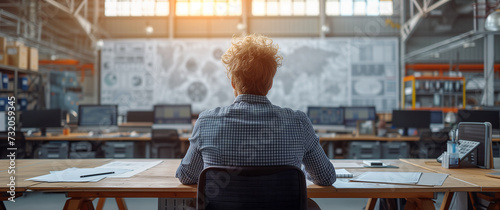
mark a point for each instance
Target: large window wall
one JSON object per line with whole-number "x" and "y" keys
{"x": 258, "y": 7}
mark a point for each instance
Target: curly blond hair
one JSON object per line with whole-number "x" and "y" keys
{"x": 251, "y": 63}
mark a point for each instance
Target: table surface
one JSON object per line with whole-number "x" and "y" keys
{"x": 475, "y": 176}
{"x": 124, "y": 136}
{"x": 160, "y": 181}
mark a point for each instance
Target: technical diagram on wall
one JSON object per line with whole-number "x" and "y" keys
{"x": 138, "y": 73}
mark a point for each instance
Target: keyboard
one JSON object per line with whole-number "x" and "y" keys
{"x": 465, "y": 147}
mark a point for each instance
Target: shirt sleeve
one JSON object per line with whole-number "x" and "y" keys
{"x": 318, "y": 167}
{"x": 192, "y": 164}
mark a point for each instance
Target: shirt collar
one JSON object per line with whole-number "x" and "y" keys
{"x": 251, "y": 99}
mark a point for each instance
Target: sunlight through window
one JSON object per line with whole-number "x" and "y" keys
{"x": 136, "y": 8}
{"x": 359, "y": 7}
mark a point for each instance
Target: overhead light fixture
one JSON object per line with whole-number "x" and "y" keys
{"x": 240, "y": 26}
{"x": 149, "y": 30}
{"x": 469, "y": 44}
{"x": 99, "y": 43}
{"x": 493, "y": 21}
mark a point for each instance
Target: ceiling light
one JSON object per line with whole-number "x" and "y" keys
{"x": 325, "y": 29}
{"x": 149, "y": 30}
{"x": 493, "y": 21}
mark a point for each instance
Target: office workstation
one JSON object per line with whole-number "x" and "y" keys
{"x": 380, "y": 88}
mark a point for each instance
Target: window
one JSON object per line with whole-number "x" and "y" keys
{"x": 359, "y": 7}
{"x": 136, "y": 8}
{"x": 208, "y": 7}
{"x": 285, "y": 7}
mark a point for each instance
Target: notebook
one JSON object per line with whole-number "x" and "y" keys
{"x": 342, "y": 173}
{"x": 494, "y": 175}
{"x": 389, "y": 177}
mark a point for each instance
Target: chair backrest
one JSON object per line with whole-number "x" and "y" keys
{"x": 256, "y": 187}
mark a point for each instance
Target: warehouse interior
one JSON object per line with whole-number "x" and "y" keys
{"x": 432, "y": 56}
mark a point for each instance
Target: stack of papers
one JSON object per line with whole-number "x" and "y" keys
{"x": 414, "y": 178}
{"x": 117, "y": 169}
{"x": 389, "y": 177}
{"x": 133, "y": 167}
{"x": 79, "y": 175}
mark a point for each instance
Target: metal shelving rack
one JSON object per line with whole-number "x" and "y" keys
{"x": 17, "y": 71}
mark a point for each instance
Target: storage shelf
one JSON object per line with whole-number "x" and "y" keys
{"x": 4, "y": 68}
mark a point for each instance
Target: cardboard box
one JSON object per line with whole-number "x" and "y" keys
{"x": 33, "y": 59}
{"x": 18, "y": 56}
{"x": 3, "y": 44}
{"x": 3, "y": 58}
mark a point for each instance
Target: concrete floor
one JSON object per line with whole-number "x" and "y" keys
{"x": 54, "y": 201}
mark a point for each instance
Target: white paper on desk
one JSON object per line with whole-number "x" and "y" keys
{"x": 347, "y": 165}
{"x": 73, "y": 175}
{"x": 135, "y": 167}
{"x": 432, "y": 179}
{"x": 389, "y": 177}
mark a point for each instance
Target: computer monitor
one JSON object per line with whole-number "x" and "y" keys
{"x": 326, "y": 118}
{"x": 140, "y": 116}
{"x": 410, "y": 119}
{"x": 41, "y": 119}
{"x": 490, "y": 116}
{"x": 97, "y": 116}
{"x": 353, "y": 114}
{"x": 437, "y": 122}
{"x": 176, "y": 116}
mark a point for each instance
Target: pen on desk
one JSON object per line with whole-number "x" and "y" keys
{"x": 98, "y": 174}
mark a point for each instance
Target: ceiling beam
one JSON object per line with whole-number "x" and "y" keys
{"x": 84, "y": 23}
{"x": 409, "y": 26}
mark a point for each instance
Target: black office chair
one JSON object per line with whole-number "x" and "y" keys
{"x": 165, "y": 143}
{"x": 259, "y": 187}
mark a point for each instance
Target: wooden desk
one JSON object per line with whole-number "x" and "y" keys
{"x": 160, "y": 181}
{"x": 474, "y": 176}
{"x": 86, "y": 137}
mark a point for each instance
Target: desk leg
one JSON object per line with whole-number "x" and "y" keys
{"x": 448, "y": 196}
{"x": 100, "y": 203}
{"x": 79, "y": 204}
{"x": 121, "y": 204}
{"x": 148, "y": 150}
{"x": 371, "y": 203}
{"x": 331, "y": 150}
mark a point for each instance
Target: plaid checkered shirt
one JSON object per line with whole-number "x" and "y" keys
{"x": 254, "y": 132}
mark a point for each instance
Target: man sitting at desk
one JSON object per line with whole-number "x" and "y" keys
{"x": 252, "y": 131}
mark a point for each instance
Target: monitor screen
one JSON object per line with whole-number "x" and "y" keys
{"x": 436, "y": 117}
{"x": 437, "y": 121}
{"x": 97, "y": 115}
{"x": 172, "y": 114}
{"x": 50, "y": 118}
{"x": 353, "y": 114}
{"x": 479, "y": 116}
{"x": 411, "y": 119}
{"x": 140, "y": 116}
{"x": 326, "y": 115}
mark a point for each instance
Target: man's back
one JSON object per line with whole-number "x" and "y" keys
{"x": 253, "y": 132}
